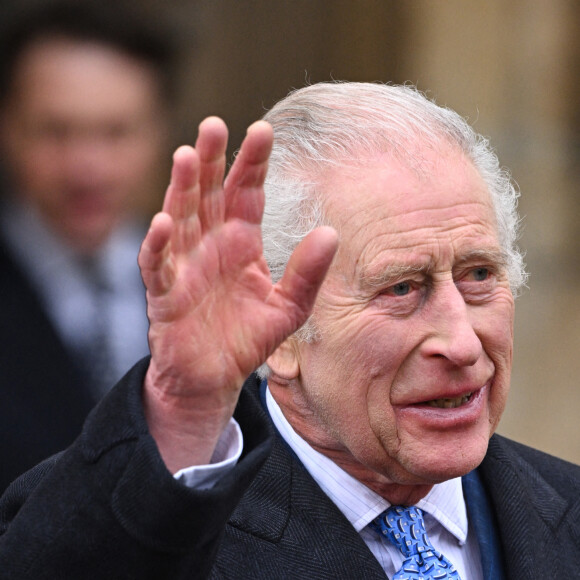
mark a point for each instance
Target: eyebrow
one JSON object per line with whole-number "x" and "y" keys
{"x": 390, "y": 273}
{"x": 490, "y": 257}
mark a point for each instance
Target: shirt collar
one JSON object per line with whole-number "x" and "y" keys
{"x": 359, "y": 504}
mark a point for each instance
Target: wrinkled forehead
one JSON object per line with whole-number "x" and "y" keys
{"x": 382, "y": 196}
{"x": 346, "y": 185}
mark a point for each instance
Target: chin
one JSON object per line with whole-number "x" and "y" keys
{"x": 89, "y": 236}
{"x": 452, "y": 465}
{"x": 440, "y": 461}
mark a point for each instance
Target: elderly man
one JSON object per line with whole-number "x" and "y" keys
{"x": 363, "y": 448}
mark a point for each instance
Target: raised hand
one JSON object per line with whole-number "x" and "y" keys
{"x": 214, "y": 314}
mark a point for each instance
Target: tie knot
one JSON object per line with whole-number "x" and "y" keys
{"x": 405, "y": 528}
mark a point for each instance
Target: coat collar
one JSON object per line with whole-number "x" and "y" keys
{"x": 536, "y": 499}
{"x": 283, "y": 503}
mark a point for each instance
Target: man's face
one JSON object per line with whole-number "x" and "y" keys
{"x": 410, "y": 376}
{"x": 82, "y": 133}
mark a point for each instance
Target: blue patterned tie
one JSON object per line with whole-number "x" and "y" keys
{"x": 404, "y": 527}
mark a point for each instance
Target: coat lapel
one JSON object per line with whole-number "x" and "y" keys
{"x": 291, "y": 525}
{"x": 535, "y": 522}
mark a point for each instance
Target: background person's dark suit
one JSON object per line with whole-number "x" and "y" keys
{"x": 42, "y": 402}
{"x": 115, "y": 512}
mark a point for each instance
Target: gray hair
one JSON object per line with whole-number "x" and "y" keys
{"x": 327, "y": 124}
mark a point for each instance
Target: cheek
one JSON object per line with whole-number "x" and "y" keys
{"x": 339, "y": 367}
{"x": 38, "y": 170}
{"x": 502, "y": 359}
{"x": 42, "y": 184}
{"x": 371, "y": 339}
{"x": 358, "y": 358}
{"x": 353, "y": 373}
{"x": 497, "y": 340}
{"x": 497, "y": 332}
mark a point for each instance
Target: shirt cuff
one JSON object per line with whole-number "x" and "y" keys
{"x": 225, "y": 457}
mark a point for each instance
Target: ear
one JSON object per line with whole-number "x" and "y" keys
{"x": 284, "y": 361}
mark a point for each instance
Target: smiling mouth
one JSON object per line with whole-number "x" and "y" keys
{"x": 449, "y": 403}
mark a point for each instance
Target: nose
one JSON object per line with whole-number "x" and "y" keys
{"x": 85, "y": 159}
{"x": 451, "y": 332}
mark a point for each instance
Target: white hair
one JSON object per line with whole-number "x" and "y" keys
{"x": 328, "y": 124}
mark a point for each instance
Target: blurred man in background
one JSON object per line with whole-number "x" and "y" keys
{"x": 85, "y": 95}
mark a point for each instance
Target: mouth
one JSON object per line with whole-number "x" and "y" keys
{"x": 451, "y": 403}
{"x": 456, "y": 410}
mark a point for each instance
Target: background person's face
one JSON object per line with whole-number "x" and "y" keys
{"x": 83, "y": 131}
{"x": 411, "y": 374}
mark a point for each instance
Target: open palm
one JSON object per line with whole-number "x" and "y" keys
{"x": 214, "y": 313}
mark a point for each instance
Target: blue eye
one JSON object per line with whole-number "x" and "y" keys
{"x": 480, "y": 274}
{"x": 401, "y": 289}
